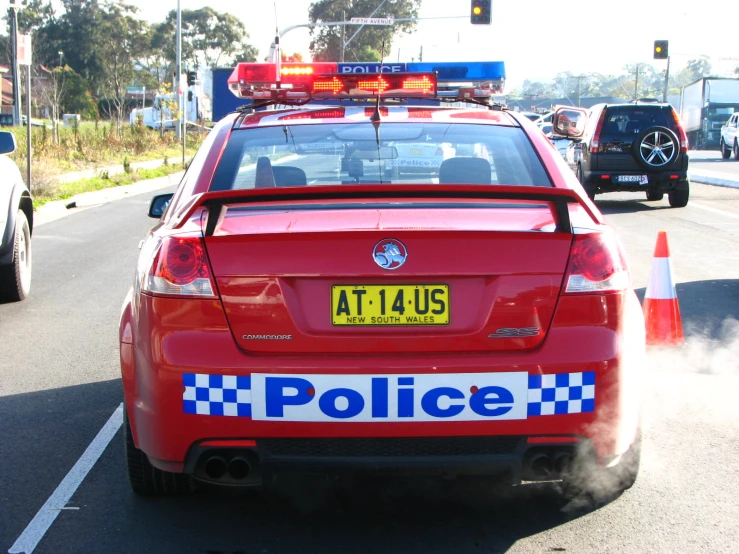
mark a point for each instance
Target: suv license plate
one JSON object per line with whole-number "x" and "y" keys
{"x": 639, "y": 179}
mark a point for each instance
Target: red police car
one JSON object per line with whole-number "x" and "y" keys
{"x": 300, "y": 305}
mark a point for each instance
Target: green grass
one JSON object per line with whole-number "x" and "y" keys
{"x": 65, "y": 191}
{"x": 91, "y": 146}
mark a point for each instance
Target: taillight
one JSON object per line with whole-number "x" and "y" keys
{"x": 681, "y": 131}
{"x": 180, "y": 268}
{"x": 439, "y": 152}
{"x": 595, "y": 145}
{"x": 596, "y": 265}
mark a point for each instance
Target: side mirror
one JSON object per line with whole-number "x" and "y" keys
{"x": 7, "y": 142}
{"x": 569, "y": 122}
{"x": 159, "y": 204}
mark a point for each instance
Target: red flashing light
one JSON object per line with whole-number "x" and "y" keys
{"x": 384, "y": 112}
{"x": 423, "y": 83}
{"x": 379, "y": 84}
{"x": 332, "y": 84}
{"x": 302, "y": 72}
{"x": 420, "y": 114}
{"x": 605, "y": 176}
{"x": 337, "y": 113}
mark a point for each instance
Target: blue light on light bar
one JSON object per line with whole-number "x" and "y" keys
{"x": 461, "y": 71}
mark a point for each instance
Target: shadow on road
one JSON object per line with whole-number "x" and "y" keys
{"x": 45, "y": 432}
{"x": 608, "y": 207}
{"x": 705, "y": 305}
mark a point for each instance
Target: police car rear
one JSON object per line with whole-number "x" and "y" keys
{"x": 303, "y": 310}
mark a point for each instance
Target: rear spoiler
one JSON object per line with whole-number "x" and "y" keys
{"x": 556, "y": 198}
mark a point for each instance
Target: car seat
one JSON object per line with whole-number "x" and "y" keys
{"x": 472, "y": 171}
{"x": 633, "y": 127}
{"x": 289, "y": 176}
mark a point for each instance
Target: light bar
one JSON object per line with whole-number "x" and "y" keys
{"x": 396, "y": 85}
{"x": 259, "y": 80}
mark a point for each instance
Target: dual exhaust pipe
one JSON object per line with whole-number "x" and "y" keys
{"x": 546, "y": 466}
{"x": 217, "y": 467}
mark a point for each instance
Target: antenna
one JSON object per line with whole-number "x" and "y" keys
{"x": 278, "y": 52}
{"x": 376, "y": 115}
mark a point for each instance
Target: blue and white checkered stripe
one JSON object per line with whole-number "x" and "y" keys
{"x": 562, "y": 393}
{"x": 230, "y": 395}
{"x": 219, "y": 395}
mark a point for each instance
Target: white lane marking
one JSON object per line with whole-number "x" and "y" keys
{"x": 41, "y": 522}
{"x": 714, "y": 210}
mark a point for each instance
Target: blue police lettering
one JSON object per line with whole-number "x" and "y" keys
{"x": 285, "y": 394}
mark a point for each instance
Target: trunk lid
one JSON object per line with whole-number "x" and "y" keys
{"x": 482, "y": 277}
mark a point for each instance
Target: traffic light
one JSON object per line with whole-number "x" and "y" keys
{"x": 192, "y": 76}
{"x": 660, "y": 50}
{"x": 480, "y": 12}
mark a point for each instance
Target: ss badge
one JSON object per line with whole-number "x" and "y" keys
{"x": 512, "y": 332}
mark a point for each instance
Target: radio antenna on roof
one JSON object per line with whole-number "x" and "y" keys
{"x": 376, "y": 115}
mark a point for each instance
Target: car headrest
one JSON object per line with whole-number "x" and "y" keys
{"x": 633, "y": 126}
{"x": 264, "y": 177}
{"x": 289, "y": 176}
{"x": 468, "y": 171}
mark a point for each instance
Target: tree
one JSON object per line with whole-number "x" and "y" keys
{"x": 326, "y": 44}
{"x": 207, "y": 36}
{"x": 247, "y": 53}
{"x": 51, "y": 89}
{"x": 126, "y": 42}
{"x": 295, "y": 57}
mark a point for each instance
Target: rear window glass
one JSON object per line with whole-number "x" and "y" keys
{"x": 628, "y": 120}
{"x": 348, "y": 154}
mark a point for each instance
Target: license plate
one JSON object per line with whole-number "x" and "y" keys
{"x": 639, "y": 179}
{"x": 390, "y": 305}
{"x": 415, "y": 152}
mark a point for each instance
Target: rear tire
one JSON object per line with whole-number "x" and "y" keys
{"x": 15, "y": 278}
{"x": 144, "y": 478}
{"x": 736, "y": 150}
{"x": 725, "y": 150}
{"x": 590, "y": 192}
{"x": 679, "y": 198}
{"x": 655, "y": 196}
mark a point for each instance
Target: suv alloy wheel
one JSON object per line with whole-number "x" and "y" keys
{"x": 656, "y": 147}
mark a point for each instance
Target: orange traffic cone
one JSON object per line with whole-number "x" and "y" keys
{"x": 661, "y": 309}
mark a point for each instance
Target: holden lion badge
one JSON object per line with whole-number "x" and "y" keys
{"x": 390, "y": 254}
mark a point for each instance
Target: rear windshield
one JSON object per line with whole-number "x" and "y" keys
{"x": 630, "y": 120}
{"x": 348, "y": 154}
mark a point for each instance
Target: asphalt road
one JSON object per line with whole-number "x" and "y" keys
{"x": 711, "y": 160}
{"x": 59, "y": 384}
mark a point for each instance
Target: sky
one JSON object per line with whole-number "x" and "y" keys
{"x": 535, "y": 38}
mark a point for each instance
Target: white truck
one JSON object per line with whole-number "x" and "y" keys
{"x": 705, "y": 106}
{"x": 730, "y": 137}
{"x": 160, "y": 113}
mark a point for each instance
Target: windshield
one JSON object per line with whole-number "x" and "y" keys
{"x": 347, "y": 154}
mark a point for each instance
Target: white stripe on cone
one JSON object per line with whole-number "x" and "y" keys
{"x": 661, "y": 284}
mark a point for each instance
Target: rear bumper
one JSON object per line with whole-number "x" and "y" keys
{"x": 509, "y": 458}
{"x": 607, "y": 181}
{"x": 157, "y": 350}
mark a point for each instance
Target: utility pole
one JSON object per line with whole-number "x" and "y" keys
{"x": 667, "y": 80}
{"x": 343, "y": 34}
{"x": 178, "y": 72}
{"x": 579, "y": 78}
{"x": 420, "y": 54}
{"x": 14, "y": 63}
{"x": 636, "y": 83}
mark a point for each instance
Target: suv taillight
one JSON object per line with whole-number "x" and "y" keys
{"x": 596, "y": 265}
{"x": 180, "y": 268}
{"x": 681, "y": 131}
{"x": 595, "y": 145}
